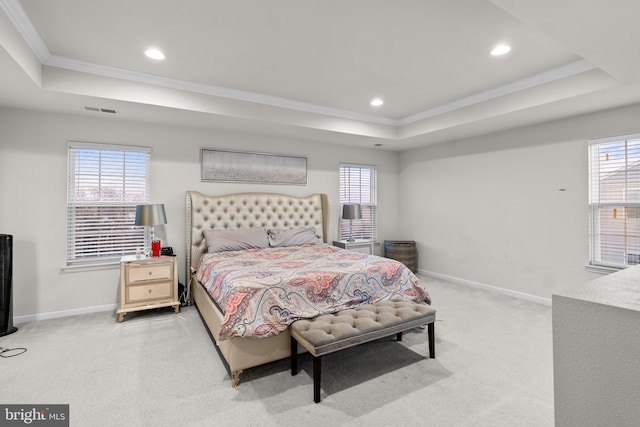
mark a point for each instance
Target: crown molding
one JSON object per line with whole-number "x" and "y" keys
{"x": 549, "y": 76}
{"x": 19, "y": 18}
{"x": 545, "y": 77}
{"x": 211, "y": 90}
{"x": 21, "y": 21}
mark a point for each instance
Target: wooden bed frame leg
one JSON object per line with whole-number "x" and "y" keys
{"x": 235, "y": 378}
{"x": 431, "y": 330}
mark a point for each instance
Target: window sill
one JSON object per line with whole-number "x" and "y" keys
{"x": 78, "y": 268}
{"x": 601, "y": 269}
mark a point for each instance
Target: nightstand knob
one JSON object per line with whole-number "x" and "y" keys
{"x": 149, "y": 290}
{"x": 150, "y": 273}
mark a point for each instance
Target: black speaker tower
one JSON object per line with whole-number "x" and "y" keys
{"x": 6, "y": 270}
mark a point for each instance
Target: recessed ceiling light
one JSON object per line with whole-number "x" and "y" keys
{"x": 500, "y": 50}
{"x": 154, "y": 54}
{"x": 376, "y": 102}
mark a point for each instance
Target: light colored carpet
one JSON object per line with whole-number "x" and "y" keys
{"x": 493, "y": 367}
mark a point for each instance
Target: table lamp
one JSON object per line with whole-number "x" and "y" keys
{"x": 150, "y": 216}
{"x": 351, "y": 212}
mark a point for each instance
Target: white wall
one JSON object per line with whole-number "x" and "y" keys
{"x": 33, "y": 165}
{"x": 509, "y": 209}
{"x": 486, "y": 210}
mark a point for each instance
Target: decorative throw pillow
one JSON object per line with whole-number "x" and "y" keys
{"x": 279, "y": 237}
{"x": 235, "y": 239}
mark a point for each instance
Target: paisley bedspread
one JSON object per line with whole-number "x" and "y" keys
{"x": 262, "y": 291}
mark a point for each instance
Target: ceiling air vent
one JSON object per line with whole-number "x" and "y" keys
{"x": 101, "y": 110}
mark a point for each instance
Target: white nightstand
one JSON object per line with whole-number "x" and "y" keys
{"x": 364, "y": 246}
{"x": 146, "y": 283}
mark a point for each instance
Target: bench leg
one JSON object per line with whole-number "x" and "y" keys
{"x": 294, "y": 356}
{"x": 431, "y": 330}
{"x": 317, "y": 366}
{"x": 399, "y": 336}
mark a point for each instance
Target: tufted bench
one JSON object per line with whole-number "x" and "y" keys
{"x": 347, "y": 328}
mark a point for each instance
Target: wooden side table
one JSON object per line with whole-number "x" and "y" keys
{"x": 146, "y": 283}
{"x": 364, "y": 246}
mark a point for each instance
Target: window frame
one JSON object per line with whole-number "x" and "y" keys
{"x": 602, "y": 202}
{"x": 366, "y": 228}
{"x": 116, "y": 178}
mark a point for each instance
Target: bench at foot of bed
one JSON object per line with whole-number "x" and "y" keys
{"x": 332, "y": 332}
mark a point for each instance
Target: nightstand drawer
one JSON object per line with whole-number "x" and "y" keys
{"x": 145, "y": 273}
{"x": 153, "y": 291}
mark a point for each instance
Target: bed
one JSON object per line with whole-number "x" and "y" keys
{"x": 241, "y": 345}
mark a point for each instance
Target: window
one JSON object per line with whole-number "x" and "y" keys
{"x": 358, "y": 185}
{"x": 614, "y": 201}
{"x": 105, "y": 183}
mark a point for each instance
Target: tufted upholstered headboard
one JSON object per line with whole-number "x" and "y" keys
{"x": 248, "y": 210}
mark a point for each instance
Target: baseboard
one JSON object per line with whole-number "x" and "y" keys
{"x": 108, "y": 307}
{"x": 520, "y": 295}
{"x": 63, "y": 313}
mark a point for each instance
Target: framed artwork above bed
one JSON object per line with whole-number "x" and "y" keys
{"x": 259, "y": 168}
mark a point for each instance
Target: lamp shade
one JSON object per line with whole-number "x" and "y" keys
{"x": 351, "y": 212}
{"x": 150, "y": 215}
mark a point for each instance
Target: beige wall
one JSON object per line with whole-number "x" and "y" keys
{"x": 33, "y": 165}
{"x": 509, "y": 209}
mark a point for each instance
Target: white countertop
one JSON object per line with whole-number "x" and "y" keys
{"x": 620, "y": 289}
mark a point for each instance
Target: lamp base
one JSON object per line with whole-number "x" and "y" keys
{"x": 350, "y": 238}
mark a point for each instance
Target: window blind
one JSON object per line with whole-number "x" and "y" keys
{"x": 614, "y": 201}
{"x": 358, "y": 186}
{"x": 104, "y": 185}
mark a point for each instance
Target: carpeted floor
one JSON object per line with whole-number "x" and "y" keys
{"x": 493, "y": 367}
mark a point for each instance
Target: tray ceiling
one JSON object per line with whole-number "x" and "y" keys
{"x": 310, "y": 69}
